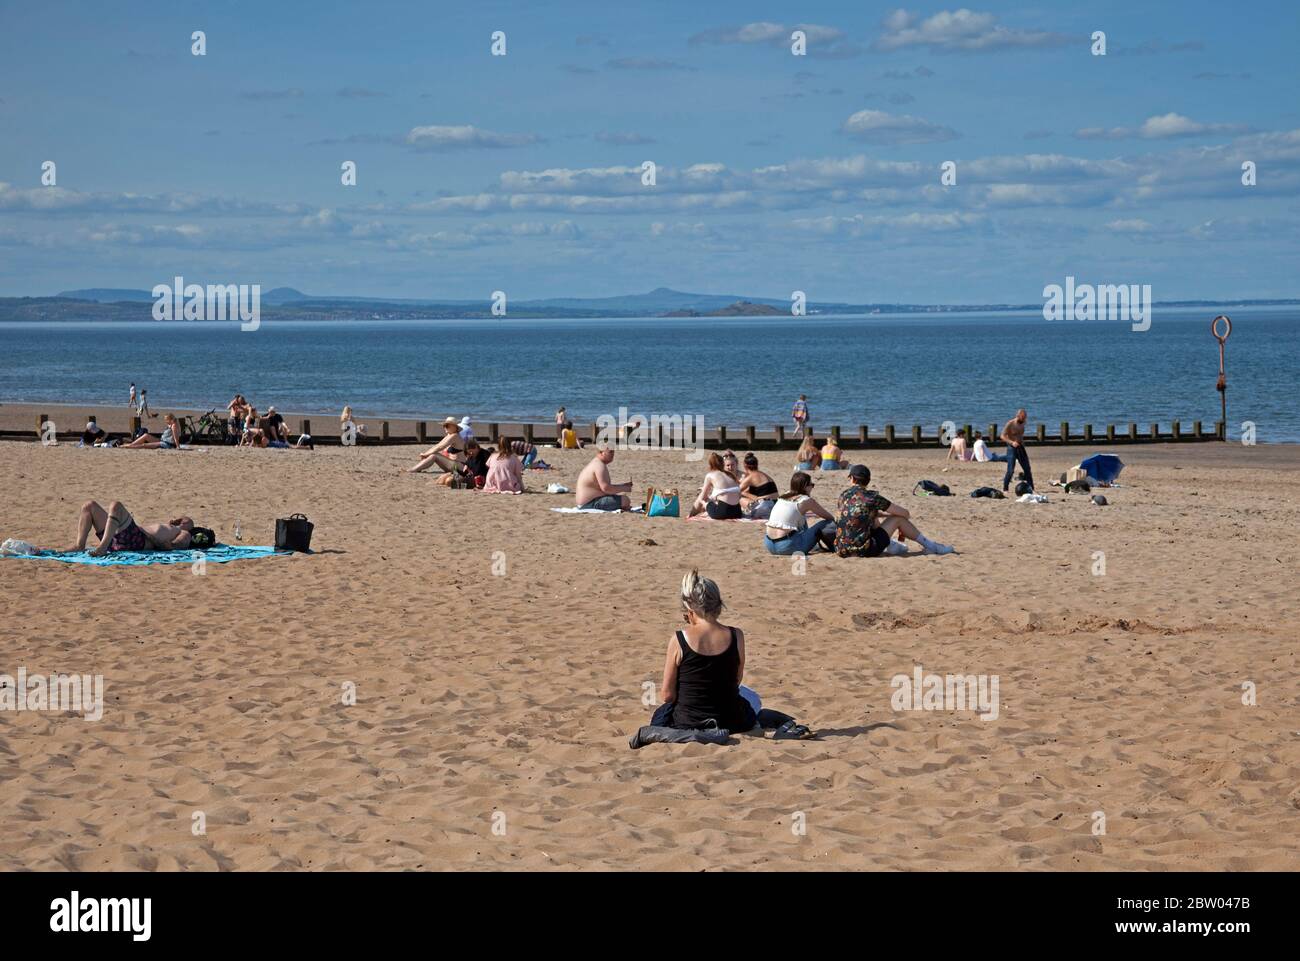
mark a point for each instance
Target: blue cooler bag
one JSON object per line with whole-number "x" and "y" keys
{"x": 662, "y": 503}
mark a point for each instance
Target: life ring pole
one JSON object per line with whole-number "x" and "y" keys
{"x": 1222, "y": 385}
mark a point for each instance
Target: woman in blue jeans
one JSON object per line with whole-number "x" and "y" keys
{"x": 788, "y": 529}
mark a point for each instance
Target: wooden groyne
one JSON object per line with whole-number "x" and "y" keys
{"x": 662, "y": 436}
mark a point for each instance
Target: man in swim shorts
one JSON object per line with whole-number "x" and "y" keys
{"x": 595, "y": 491}
{"x": 118, "y": 531}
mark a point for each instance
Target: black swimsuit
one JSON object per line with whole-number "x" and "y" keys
{"x": 707, "y": 690}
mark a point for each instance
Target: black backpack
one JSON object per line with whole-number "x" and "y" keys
{"x": 988, "y": 492}
{"x": 203, "y": 538}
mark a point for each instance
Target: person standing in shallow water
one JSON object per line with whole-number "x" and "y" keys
{"x": 1014, "y": 436}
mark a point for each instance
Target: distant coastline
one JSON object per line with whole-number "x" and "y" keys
{"x": 286, "y": 304}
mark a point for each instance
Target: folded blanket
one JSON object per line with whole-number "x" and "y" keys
{"x": 220, "y": 554}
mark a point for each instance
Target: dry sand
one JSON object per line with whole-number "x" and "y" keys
{"x": 478, "y": 694}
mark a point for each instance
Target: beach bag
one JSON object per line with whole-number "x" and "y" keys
{"x": 992, "y": 492}
{"x": 293, "y": 533}
{"x": 931, "y": 489}
{"x": 662, "y": 503}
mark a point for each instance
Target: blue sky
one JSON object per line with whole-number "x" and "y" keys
{"x": 775, "y": 172}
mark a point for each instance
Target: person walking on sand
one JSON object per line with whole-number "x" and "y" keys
{"x": 142, "y": 409}
{"x": 560, "y": 417}
{"x": 131, "y": 403}
{"x": 1014, "y": 436}
{"x": 800, "y": 414}
{"x": 595, "y": 490}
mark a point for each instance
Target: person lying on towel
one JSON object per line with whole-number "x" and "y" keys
{"x": 117, "y": 530}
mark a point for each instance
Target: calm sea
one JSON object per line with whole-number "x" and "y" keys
{"x": 901, "y": 369}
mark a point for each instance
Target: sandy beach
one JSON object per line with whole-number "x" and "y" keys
{"x": 479, "y": 693}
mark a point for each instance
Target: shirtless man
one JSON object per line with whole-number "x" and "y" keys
{"x": 1014, "y": 436}
{"x": 118, "y": 531}
{"x": 595, "y": 491}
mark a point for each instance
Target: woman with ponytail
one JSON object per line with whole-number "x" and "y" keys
{"x": 705, "y": 664}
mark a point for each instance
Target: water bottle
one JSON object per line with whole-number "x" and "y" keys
{"x": 238, "y": 536}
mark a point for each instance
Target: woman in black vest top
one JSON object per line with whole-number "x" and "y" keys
{"x": 704, "y": 668}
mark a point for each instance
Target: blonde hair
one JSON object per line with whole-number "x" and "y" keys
{"x": 346, "y": 415}
{"x": 701, "y": 595}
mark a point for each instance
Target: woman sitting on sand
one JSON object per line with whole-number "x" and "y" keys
{"x": 349, "y": 430}
{"x": 957, "y": 449}
{"x": 757, "y": 490}
{"x": 448, "y": 453}
{"x": 705, "y": 664}
{"x": 168, "y": 441}
{"x": 505, "y": 473}
{"x": 808, "y": 456}
{"x": 252, "y": 428}
{"x": 832, "y": 456}
{"x": 788, "y": 531}
{"x": 720, "y": 495}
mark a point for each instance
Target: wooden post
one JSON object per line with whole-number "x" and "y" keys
{"x": 1178, "y": 430}
{"x": 1155, "y": 431}
{"x": 1065, "y": 432}
{"x": 494, "y": 431}
{"x": 993, "y": 433}
{"x": 305, "y": 426}
{"x": 916, "y": 435}
{"x": 889, "y": 434}
{"x": 1132, "y": 431}
{"x": 1221, "y": 429}
{"x": 528, "y": 433}
{"x": 1110, "y": 433}
{"x": 749, "y": 436}
{"x": 970, "y": 434}
{"x": 383, "y": 431}
{"x": 780, "y": 435}
{"x": 722, "y": 437}
{"x": 835, "y": 434}
{"x": 1042, "y": 433}
{"x": 135, "y": 425}
{"x": 1196, "y": 429}
{"x": 863, "y": 434}
{"x": 40, "y": 426}
{"x": 1087, "y": 433}
{"x": 421, "y": 431}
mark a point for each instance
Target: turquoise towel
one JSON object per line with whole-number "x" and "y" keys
{"x": 217, "y": 555}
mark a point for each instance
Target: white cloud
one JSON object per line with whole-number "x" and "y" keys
{"x": 1163, "y": 127}
{"x": 958, "y": 30}
{"x": 877, "y": 126}
{"x": 464, "y": 136}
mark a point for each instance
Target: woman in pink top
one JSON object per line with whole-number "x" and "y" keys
{"x": 505, "y": 474}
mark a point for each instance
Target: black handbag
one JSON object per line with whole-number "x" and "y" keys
{"x": 293, "y": 533}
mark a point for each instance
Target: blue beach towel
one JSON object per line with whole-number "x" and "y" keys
{"x": 220, "y": 554}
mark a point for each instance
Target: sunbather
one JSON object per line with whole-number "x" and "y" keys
{"x": 596, "y": 491}
{"x": 798, "y": 524}
{"x": 758, "y": 491}
{"x": 448, "y": 453}
{"x": 118, "y": 531}
{"x": 720, "y": 495}
{"x": 169, "y": 440}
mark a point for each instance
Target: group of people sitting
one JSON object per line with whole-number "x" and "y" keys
{"x": 262, "y": 430}
{"x": 830, "y": 456}
{"x": 464, "y": 462}
{"x": 977, "y": 450}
